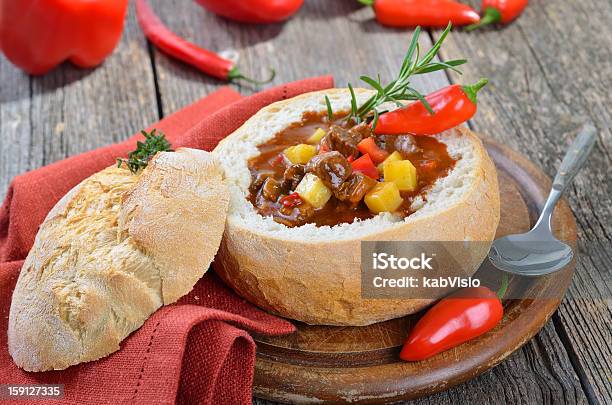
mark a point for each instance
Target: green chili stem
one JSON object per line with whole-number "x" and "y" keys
{"x": 504, "y": 286}
{"x": 491, "y": 16}
{"x": 234, "y": 74}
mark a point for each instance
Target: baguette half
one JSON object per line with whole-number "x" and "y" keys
{"x": 112, "y": 251}
{"x": 313, "y": 274}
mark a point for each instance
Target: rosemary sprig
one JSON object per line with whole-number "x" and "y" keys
{"x": 399, "y": 89}
{"x": 330, "y": 112}
{"x": 155, "y": 141}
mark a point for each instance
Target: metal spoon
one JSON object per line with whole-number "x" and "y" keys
{"x": 537, "y": 252}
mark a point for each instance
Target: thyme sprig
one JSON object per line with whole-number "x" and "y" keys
{"x": 400, "y": 89}
{"x": 155, "y": 141}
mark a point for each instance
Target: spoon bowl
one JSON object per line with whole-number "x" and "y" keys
{"x": 520, "y": 254}
{"x": 538, "y": 252}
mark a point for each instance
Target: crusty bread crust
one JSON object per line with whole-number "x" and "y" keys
{"x": 112, "y": 251}
{"x": 317, "y": 280}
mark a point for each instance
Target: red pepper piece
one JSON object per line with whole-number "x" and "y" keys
{"x": 499, "y": 11}
{"x": 37, "y": 35}
{"x": 452, "y": 106}
{"x": 368, "y": 146}
{"x": 424, "y": 13}
{"x": 183, "y": 50}
{"x": 366, "y": 166}
{"x": 323, "y": 146}
{"x": 254, "y": 11}
{"x": 460, "y": 317}
{"x": 291, "y": 200}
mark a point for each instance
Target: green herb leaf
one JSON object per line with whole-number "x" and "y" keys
{"x": 330, "y": 112}
{"x": 432, "y": 67}
{"x": 373, "y": 83}
{"x": 421, "y": 97}
{"x": 436, "y": 47}
{"x": 155, "y": 141}
{"x": 375, "y": 120}
{"x": 354, "y": 114}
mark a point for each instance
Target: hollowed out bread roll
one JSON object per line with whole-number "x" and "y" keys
{"x": 116, "y": 248}
{"x": 312, "y": 274}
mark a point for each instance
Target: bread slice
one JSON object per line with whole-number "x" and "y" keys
{"x": 116, "y": 248}
{"x": 312, "y": 274}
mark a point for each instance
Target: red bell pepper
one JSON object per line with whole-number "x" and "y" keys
{"x": 365, "y": 165}
{"x": 368, "y": 146}
{"x": 499, "y": 11}
{"x": 291, "y": 200}
{"x": 460, "y": 317}
{"x": 254, "y": 11}
{"x": 424, "y": 13}
{"x": 38, "y": 35}
{"x": 451, "y": 105}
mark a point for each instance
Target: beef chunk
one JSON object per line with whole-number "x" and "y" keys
{"x": 343, "y": 140}
{"x": 258, "y": 181}
{"x": 355, "y": 188}
{"x": 294, "y": 216}
{"x": 405, "y": 144}
{"x": 331, "y": 167}
{"x": 292, "y": 176}
{"x": 362, "y": 130}
{"x": 271, "y": 189}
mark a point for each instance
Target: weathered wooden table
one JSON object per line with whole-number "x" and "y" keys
{"x": 550, "y": 71}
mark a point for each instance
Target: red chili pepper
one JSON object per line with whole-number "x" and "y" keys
{"x": 451, "y": 105}
{"x": 183, "y": 50}
{"x": 38, "y": 35}
{"x": 254, "y": 11}
{"x": 456, "y": 319}
{"x": 291, "y": 200}
{"x": 368, "y": 146}
{"x": 365, "y": 165}
{"x": 426, "y": 13}
{"x": 499, "y": 11}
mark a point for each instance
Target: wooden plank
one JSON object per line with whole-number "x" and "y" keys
{"x": 339, "y": 38}
{"x": 71, "y": 110}
{"x": 550, "y": 72}
{"x": 15, "y": 123}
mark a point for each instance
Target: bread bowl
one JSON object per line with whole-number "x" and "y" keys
{"x": 113, "y": 250}
{"x": 311, "y": 271}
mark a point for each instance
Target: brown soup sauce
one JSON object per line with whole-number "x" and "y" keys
{"x": 430, "y": 158}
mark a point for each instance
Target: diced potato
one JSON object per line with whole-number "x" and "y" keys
{"x": 384, "y": 197}
{"x": 394, "y": 157}
{"x": 402, "y": 173}
{"x": 313, "y": 191}
{"x": 316, "y": 137}
{"x": 300, "y": 154}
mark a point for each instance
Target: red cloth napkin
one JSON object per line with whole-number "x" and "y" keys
{"x": 195, "y": 351}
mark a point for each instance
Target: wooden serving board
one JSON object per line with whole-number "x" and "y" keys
{"x": 361, "y": 364}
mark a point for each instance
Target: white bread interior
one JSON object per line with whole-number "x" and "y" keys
{"x": 113, "y": 250}
{"x": 312, "y": 273}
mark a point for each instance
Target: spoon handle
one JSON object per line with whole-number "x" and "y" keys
{"x": 575, "y": 157}
{"x": 572, "y": 162}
